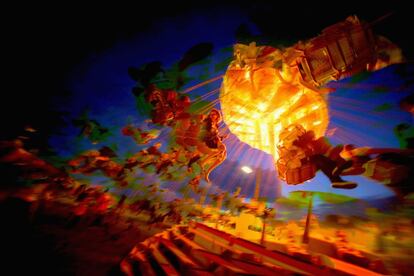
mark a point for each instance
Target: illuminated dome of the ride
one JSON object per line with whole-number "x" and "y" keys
{"x": 258, "y": 101}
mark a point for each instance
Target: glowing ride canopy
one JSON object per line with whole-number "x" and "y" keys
{"x": 259, "y": 99}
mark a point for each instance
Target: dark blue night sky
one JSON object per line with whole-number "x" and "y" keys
{"x": 94, "y": 77}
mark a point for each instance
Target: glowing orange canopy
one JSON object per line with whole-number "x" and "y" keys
{"x": 261, "y": 96}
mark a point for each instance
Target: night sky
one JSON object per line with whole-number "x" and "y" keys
{"x": 44, "y": 43}
{"x": 61, "y": 60}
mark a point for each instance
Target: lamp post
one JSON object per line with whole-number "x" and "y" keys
{"x": 305, "y": 238}
{"x": 257, "y": 186}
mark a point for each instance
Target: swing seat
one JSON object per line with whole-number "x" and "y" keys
{"x": 297, "y": 175}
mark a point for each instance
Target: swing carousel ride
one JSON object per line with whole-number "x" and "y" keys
{"x": 274, "y": 99}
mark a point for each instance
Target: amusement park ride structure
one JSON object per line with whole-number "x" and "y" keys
{"x": 272, "y": 98}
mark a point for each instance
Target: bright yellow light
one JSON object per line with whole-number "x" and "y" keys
{"x": 247, "y": 75}
{"x": 246, "y": 169}
{"x": 264, "y": 104}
